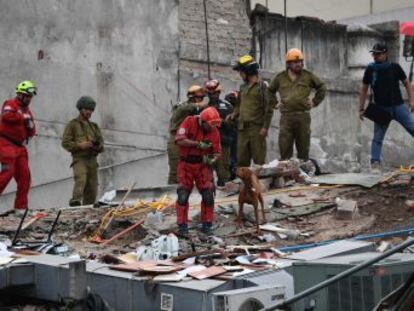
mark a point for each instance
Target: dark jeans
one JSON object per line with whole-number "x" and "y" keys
{"x": 399, "y": 113}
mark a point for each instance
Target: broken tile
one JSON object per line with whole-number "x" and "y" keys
{"x": 207, "y": 273}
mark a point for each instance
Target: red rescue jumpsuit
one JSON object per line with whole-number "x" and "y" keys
{"x": 16, "y": 127}
{"x": 195, "y": 172}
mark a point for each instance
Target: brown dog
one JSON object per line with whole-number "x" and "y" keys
{"x": 250, "y": 193}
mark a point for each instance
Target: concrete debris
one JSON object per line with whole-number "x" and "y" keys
{"x": 409, "y": 204}
{"x": 162, "y": 248}
{"x": 384, "y": 246}
{"x": 154, "y": 218}
{"x": 289, "y": 233}
{"x": 346, "y": 209}
{"x": 296, "y": 214}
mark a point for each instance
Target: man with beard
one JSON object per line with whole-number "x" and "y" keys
{"x": 213, "y": 89}
{"x": 294, "y": 86}
{"x": 254, "y": 111}
{"x": 386, "y": 102}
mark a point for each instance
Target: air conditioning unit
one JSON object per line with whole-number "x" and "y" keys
{"x": 360, "y": 291}
{"x": 248, "y": 299}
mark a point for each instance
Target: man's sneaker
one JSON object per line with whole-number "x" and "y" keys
{"x": 73, "y": 202}
{"x": 376, "y": 167}
{"x": 183, "y": 230}
{"x": 206, "y": 228}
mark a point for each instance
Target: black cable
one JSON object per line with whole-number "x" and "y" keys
{"x": 207, "y": 40}
{"x": 286, "y": 28}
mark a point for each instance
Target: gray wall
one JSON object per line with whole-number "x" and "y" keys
{"x": 399, "y": 15}
{"x": 339, "y": 140}
{"x": 124, "y": 53}
{"x": 338, "y": 55}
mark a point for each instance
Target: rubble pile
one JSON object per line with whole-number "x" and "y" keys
{"x": 140, "y": 235}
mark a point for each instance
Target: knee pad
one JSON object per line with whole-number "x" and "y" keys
{"x": 207, "y": 196}
{"x": 182, "y": 196}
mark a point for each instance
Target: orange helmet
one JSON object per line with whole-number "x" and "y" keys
{"x": 294, "y": 55}
{"x": 211, "y": 116}
{"x": 195, "y": 90}
{"x": 213, "y": 86}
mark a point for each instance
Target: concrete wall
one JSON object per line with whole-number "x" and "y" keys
{"x": 398, "y": 15}
{"x": 230, "y": 36}
{"x": 334, "y": 9}
{"x": 339, "y": 140}
{"x": 124, "y": 53}
{"x": 323, "y": 44}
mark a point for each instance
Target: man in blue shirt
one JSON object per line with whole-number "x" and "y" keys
{"x": 383, "y": 77}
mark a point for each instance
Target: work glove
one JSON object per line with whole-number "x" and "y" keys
{"x": 209, "y": 160}
{"x": 28, "y": 121}
{"x": 203, "y": 145}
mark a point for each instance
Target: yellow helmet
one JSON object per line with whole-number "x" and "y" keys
{"x": 294, "y": 55}
{"x": 195, "y": 90}
{"x": 247, "y": 64}
{"x": 26, "y": 87}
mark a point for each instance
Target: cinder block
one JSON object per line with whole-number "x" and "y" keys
{"x": 347, "y": 209}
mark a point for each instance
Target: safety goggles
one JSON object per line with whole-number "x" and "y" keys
{"x": 31, "y": 91}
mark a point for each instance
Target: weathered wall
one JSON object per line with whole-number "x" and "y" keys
{"x": 230, "y": 36}
{"x": 323, "y": 44}
{"x": 339, "y": 140}
{"x": 124, "y": 53}
{"x": 400, "y": 15}
{"x": 334, "y": 9}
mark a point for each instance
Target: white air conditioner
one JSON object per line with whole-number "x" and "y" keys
{"x": 248, "y": 299}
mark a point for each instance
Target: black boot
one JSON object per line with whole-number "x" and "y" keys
{"x": 183, "y": 230}
{"x": 73, "y": 202}
{"x": 206, "y": 228}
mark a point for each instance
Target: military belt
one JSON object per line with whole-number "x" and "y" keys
{"x": 192, "y": 159}
{"x": 296, "y": 112}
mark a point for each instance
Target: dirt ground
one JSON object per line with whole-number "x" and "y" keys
{"x": 381, "y": 208}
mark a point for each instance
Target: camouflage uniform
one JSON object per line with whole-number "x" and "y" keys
{"x": 295, "y": 122}
{"x": 84, "y": 164}
{"x": 223, "y": 163}
{"x": 254, "y": 110}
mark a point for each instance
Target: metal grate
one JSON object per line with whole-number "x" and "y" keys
{"x": 333, "y": 295}
{"x": 219, "y": 303}
{"x": 357, "y": 294}
{"x": 344, "y": 295}
{"x": 368, "y": 292}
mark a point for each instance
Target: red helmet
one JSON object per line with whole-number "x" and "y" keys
{"x": 213, "y": 86}
{"x": 211, "y": 116}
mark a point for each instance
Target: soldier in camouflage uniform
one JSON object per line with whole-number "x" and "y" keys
{"x": 213, "y": 90}
{"x": 192, "y": 106}
{"x": 83, "y": 139}
{"x": 294, "y": 86}
{"x": 254, "y": 111}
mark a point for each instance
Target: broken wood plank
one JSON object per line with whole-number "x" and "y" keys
{"x": 207, "y": 273}
{"x": 123, "y": 232}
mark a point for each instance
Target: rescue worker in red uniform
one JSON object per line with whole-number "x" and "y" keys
{"x": 198, "y": 140}
{"x": 16, "y": 128}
